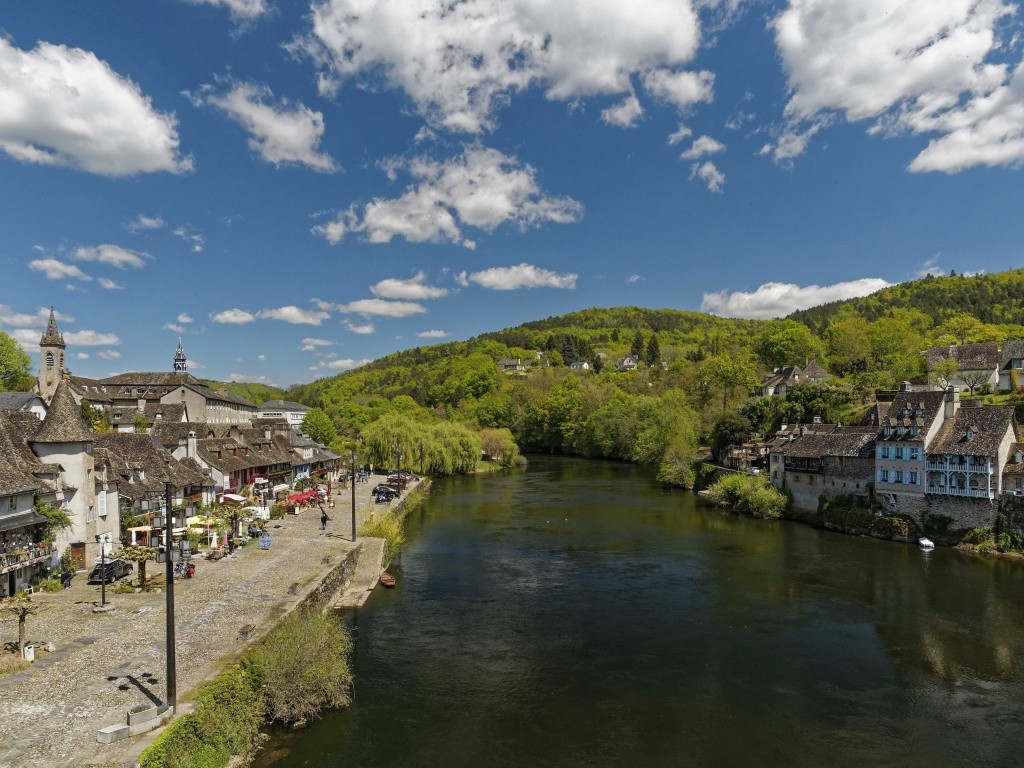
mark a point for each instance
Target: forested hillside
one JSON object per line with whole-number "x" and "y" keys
{"x": 697, "y": 379}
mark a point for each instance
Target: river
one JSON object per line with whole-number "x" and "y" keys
{"x": 576, "y": 613}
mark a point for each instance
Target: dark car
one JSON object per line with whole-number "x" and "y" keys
{"x": 110, "y": 571}
{"x": 381, "y": 488}
{"x": 404, "y": 476}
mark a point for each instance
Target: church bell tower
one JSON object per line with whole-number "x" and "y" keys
{"x": 180, "y": 363}
{"x": 51, "y": 359}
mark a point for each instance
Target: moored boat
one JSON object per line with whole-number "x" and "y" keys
{"x": 924, "y": 543}
{"x": 387, "y": 579}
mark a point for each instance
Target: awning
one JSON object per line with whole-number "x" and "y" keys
{"x": 20, "y": 520}
{"x": 233, "y": 497}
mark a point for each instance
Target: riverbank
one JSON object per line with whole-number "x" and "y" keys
{"x": 106, "y": 663}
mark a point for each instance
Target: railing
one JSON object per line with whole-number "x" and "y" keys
{"x": 960, "y": 466}
{"x": 951, "y": 490}
{"x": 19, "y": 558}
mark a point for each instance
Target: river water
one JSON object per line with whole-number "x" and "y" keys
{"x": 575, "y": 613}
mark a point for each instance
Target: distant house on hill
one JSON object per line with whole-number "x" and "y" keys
{"x": 580, "y": 365}
{"x": 781, "y": 380}
{"x": 629, "y": 363}
{"x": 511, "y": 364}
{"x": 978, "y": 365}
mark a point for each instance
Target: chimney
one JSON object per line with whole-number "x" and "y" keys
{"x": 191, "y": 443}
{"x": 817, "y": 419}
{"x": 952, "y": 402}
{"x": 142, "y": 405}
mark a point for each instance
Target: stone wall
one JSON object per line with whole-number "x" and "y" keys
{"x": 335, "y": 579}
{"x": 945, "y": 517}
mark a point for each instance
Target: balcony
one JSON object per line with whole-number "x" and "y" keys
{"x": 952, "y": 490}
{"x": 15, "y": 558}
{"x": 977, "y": 468}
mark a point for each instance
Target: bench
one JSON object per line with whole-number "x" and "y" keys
{"x": 245, "y": 631}
{"x": 294, "y": 588}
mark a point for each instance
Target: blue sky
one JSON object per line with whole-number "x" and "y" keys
{"x": 294, "y": 188}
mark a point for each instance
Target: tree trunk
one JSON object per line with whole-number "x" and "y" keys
{"x": 21, "y": 635}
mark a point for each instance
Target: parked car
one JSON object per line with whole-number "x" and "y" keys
{"x": 384, "y": 492}
{"x": 403, "y": 476}
{"x": 110, "y": 571}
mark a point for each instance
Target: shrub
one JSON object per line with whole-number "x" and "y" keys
{"x": 302, "y": 666}
{"x": 388, "y": 526}
{"x": 748, "y": 493}
{"x": 50, "y": 585}
{"x": 123, "y": 588}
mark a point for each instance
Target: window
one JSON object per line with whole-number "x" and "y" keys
{"x": 101, "y": 503}
{"x": 1017, "y": 483}
{"x": 883, "y": 475}
{"x": 915, "y": 453}
{"x": 913, "y": 429}
{"x": 899, "y": 452}
{"x": 883, "y": 452}
{"x": 899, "y": 476}
{"x": 812, "y": 480}
{"x": 913, "y": 479}
{"x": 12, "y": 503}
{"x": 887, "y": 430}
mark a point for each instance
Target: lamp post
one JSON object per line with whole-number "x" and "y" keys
{"x": 100, "y": 539}
{"x": 172, "y": 679}
{"x": 357, "y": 440}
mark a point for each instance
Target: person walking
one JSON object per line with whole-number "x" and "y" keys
{"x": 323, "y": 520}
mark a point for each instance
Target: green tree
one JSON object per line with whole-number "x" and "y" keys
{"x": 637, "y": 347}
{"x": 653, "y": 354}
{"x": 500, "y": 446}
{"x": 731, "y": 428}
{"x": 848, "y": 347}
{"x": 786, "y": 342}
{"x": 319, "y": 427}
{"x": 20, "y": 605}
{"x": 15, "y": 366}
{"x": 727, "y": 372}
{"x": 136, "y": 553}
{"x": 942, "y": 371}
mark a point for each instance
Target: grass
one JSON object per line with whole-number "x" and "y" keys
{"x": 11, "y": 663}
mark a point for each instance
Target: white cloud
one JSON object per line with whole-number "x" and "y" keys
{"x": 634, "y": 278}
{"x": 624, "y": 114}
{"x": 310, "y": 344}
{"x": 708, "y": 173}
{"x": 91, "y": 339}
{"x": 241, "y": 10}
{"x": 462, "y": 279}
{"x": 413, "y": 288}
{"x": 175, "y": 328}
{"x": 365, "y": 329}
{"x": 481, "y": 188}
{"x": 346, "y": 364}
{"x": 109, "y": 284}
{"x": 679, "y": 135}
{"x": 42, "y": 315}
{"x": 53, "y": 269}
{"x": 196, "y": 239}
{"x": 143, "y": 222}
{"x": 108, "y": 354}
{"x": 233, "y": 316}
{"x": 282, "y": 133}
{"x": 682, "y": 89}
{"x": 28, "y": 338}
{"x": 184, "y": 318}
{"x": 294, "y": 315}
{"x": 705, "y": 145}
{"x": 522, "y": 276}
{"x": 917, "y": 67}
{"x": 81, "y": 356}
{"x": 250, "y": 378}
{"x": 381, "y": 308}
{"x": 459, "y": 62}
{"x": 779, "y": 299}
{"x": 433, "y": 334}
{"x": 63, "y": 106}
{"x": 114, "y": 255}
{"x": 261, "y": 358}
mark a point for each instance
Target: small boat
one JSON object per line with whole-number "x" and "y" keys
{"x": 387, "y": 579}
{"x": 926, "y": 544}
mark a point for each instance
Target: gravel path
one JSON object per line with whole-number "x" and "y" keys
{"x": 105, "y": 663}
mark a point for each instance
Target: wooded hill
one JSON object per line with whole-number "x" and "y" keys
{"x": 698, "y": 375}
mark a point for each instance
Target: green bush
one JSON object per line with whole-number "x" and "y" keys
{"x": 50, "y": 585}
{"x": 388, "y": 526}
{"x": 748, "y": 493}
{"x": 302, "y": 666}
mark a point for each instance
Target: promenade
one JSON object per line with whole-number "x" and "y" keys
{"x": 105, "y": 663}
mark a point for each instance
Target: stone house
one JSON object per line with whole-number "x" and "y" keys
{"x": 293, "y": 413}
{"x": 978, "y": 365}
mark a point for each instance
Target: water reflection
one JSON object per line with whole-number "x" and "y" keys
{"x": 577, "y": 614}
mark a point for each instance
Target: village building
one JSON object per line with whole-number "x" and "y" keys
{"x": 509, "y": 364}
{"x": 291, "y": 412}
{"x": 23, "y": 402}
{"x": 977, "y": 366}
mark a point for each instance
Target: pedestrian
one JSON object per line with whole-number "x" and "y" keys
{"x": 323, "y": 520}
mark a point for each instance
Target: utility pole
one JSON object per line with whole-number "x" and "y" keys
{"x": 172, "y": 681}
{"x": 353, "y": 493}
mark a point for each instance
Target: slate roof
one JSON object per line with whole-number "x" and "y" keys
{"x": 983, "y": 356}
{"x": 283, "y": 405}
{"x": 121, "y": 414}
{"x": 15, "y": 472}
{"x": 787, "y": 375}
{"x": 877, "y": 414}
{"x": 850, "y": 442}
{"x": 909, "y": 409}
{"x": 63, "y": 422}
{"x": 151, "y": 379}
{"x": 52, "y": 336}
{"x": 215, "y": 394}
{"x": 15, "y": 401}
{"x": 814, "y": 370}
{"x": 988, "y": 425}
{"x": 1013, "y": 349}
{"x": 143, "y": 466}
{"x": 1012, "y": 467}
{"x": 93, "y": 390}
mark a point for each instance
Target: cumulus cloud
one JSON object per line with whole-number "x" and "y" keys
{"x": 233, "y": 317}
{"x": 27, "y": 338}
{"x": 481, "y": 188}
{"x": 108, "y": 354}
{"x": 379, "y": 308}
{"x": 682, "y": 89}
{"x": 241, "y": 10}
{"x": 918, "y": 67}
{"x": 459, "y": 62}
{"x": 679, "y": 135}
{"x": 91, "y": 339}
{"x": 705, "y": 145}
{"x": 294, "y": 315}
{"x": 462, "y": 279}
{"x": 364, "y": 329}
{"x": 345, "y": 364}
{"x": 413, "y": 288}
{"x": 195, "y": 239}
{"x": 310, "y": 344}
{"x": 281, "y": 133}
{"x": 9, "y": 316}
{"x": 142, "y": 222}
{"x": 625, "y": 113}
{"x": 114, "y": 255}
{"x": 110, "y": 285}
{"x": 174, "y": 327}
{"x": 433, "y": 334}
{"x": 184, "y": 318}
{"x": 522, "y": 276}
{"x": 634, "y": 278}
{"x": 773, "y": 300}
{"x": 708, "y": 173}
{"x": 65, "y": 107}
{"x": 52, "y": 269}
{"x": 81, "y": 356}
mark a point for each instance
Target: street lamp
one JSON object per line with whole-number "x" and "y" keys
{"x": 166, "y": 521}
{"x": 358, "y": 439}
{"x": 101, "y": 540}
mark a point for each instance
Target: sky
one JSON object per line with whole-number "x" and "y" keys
{"x": 295, "y": 188}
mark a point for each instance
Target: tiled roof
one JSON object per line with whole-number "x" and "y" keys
{"x": 93, "y": 390}
{"x": 983, "y": 356}
{"x": 912, "y": 409}
{"x": 121, "y": 414}
{"x": 1013, "y": 349}
{"x": 151, "y": 379}
{"x": 143, "y": 467}
{"x": 841, "y": 441}
{"x": 283, "y": 405}
{"x": 63, "y": 422}
{"x": 215, "y": 394}
{"x": 987, "y": 426}
{"x": 1012, "y": 467}
{"x": 814, "y": 370}
{"x": 15, "y": 401}
{"x": 788, "y": 375}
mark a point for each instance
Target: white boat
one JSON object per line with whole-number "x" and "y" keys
{"x": 924, "y": 543}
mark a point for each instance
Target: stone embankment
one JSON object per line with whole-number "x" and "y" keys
{"x": 106, "y": 663}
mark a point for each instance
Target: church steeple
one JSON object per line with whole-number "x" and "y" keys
{"x": 51, "y": 359}
{"x": 180, "y": 363}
